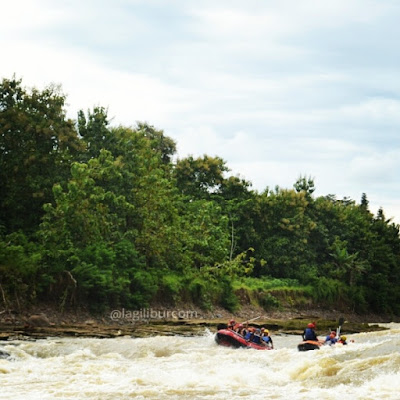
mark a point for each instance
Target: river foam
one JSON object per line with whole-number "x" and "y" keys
{"x": 197, "y": 368}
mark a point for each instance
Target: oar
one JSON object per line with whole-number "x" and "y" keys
{"x": 223, "y": 326}
{"x": 341, "y": 322}
{"x": 251, "y": 320}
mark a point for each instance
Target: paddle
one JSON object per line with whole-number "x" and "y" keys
{"x": 223, "y": 326}
{"x": 251, "y": 320}
{"x": 341, "y": 322}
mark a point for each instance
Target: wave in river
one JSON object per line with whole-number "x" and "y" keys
{"x": 197, "y": 368}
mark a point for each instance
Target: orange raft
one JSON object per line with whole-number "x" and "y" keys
{"x": 309, "y": 345}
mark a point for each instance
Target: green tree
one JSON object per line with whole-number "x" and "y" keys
{"x": 201, "y": 177}
{"x": 306, "y": 185}
{"x": 84, "y": 232}
{"x": 237, "y": 201}
{"x": 347, "y": 265}
{"x": 37, "y": 146}
{"x": 148, "y": 186}
{"x": 206, "y": 240}
{"x": 383, "y": 280}
{"x": 20, "y": 278}
{"x": 95, "y": 131}
{"x": 163, "y": 145}
{"x": 284, "y": 229}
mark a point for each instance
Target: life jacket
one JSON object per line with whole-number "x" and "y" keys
{"x": 330, "y": 340}
{"x": 257, "y": 339}
{"x": 266, "y": 339}
{"x": 236, "y": 327}
{"x": 309, "y": 334}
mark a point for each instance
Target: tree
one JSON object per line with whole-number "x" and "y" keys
{"x": 348, "y": 267}
{"x": 84, "y": 232}
{"x": 283, "y": 229}
{"x": 237, "y": 202}
{"x": 364, "y": 202}
{"x": 147, "y": 185}
{"x": 201, "y": 177}
{"x": 306, "y": 185}
{"x": 383, "y": 280}
{"x": 94, "y": 129}
{"x": 20, "y": 274}
{"x": 163, "y": 145}
{"x": 37, "y": 146}
{"x": 206, "y": 238}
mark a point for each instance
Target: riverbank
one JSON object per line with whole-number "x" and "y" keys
{"x": 41, "y": 322}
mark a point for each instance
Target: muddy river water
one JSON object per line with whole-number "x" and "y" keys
{"x": 177, "y": 367}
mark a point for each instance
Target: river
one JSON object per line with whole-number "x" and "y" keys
{"x": 177, "y": 367}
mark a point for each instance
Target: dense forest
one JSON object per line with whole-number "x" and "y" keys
{"x": 94, "y": 216}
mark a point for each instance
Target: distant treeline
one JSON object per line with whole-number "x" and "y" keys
{"x": 95, "y": 216}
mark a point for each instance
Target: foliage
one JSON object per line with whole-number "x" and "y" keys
{"x": 37, "y": 146}
{"x": 266, "y": 283}
{"x": 199, "y": 178}
{"x": 268, "y": 301}
{"x": 95, "y": 215}
{"x": 171, "y": 287}
{"x": 328, "y": 290}
{"x": 20, "y": 261}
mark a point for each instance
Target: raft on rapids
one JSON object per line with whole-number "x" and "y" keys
{"x": 309, "y": 345}
{"x": 334, "y": 338}
{"x": 229, "y": 338}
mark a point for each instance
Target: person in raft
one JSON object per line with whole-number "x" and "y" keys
{"x": 240, "y": 329}
{"x": 309, "y": 332}
{"x": 331, "y": 339}
{"x": 266, "y": 338}
{"x": 231, "y": 324}
{"x": 250, "y": 333}
{"x": 256, "y": 338}
{"x": 342, "y": 339}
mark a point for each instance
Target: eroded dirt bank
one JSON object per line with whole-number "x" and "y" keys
{"x": 41, "y": 322}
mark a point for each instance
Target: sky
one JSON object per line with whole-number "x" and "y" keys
{"x": 278, "y": 89}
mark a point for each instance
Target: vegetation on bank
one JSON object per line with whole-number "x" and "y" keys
{"x": 94, "y": 215}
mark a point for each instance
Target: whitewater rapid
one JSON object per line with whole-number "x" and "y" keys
{"x": 197, "y": 368}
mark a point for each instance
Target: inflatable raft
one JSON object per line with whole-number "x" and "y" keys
{"x": 227, "y": 337}
{"x": 309, "y": 345}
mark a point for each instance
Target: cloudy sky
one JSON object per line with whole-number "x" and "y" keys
{"x": 278, "y": 89}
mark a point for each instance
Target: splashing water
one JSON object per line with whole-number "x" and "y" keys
{"x": 197, "y": 368}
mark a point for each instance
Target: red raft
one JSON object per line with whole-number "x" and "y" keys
{"x": 227, "y": 337}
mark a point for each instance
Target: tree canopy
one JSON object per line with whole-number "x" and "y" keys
{"x": 94, "y": 215}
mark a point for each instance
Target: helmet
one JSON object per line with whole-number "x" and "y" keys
{"x": 266, "y": 331}
{"x": 343, "y": 338}
{"x": 232, "y": 321}
{"x": 311, "y": 325}
{"x": 240, "y": 326}
{"x": 333, "y": 333}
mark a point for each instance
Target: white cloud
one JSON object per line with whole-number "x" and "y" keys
{"x": 277, "y": 89}
{"x": 377, "y": 169}
{"x": 276, "y": 20}
{"x": 373, "y": 110}
{"x": 19, "y": 17}
{"x": 129, "y": 96}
